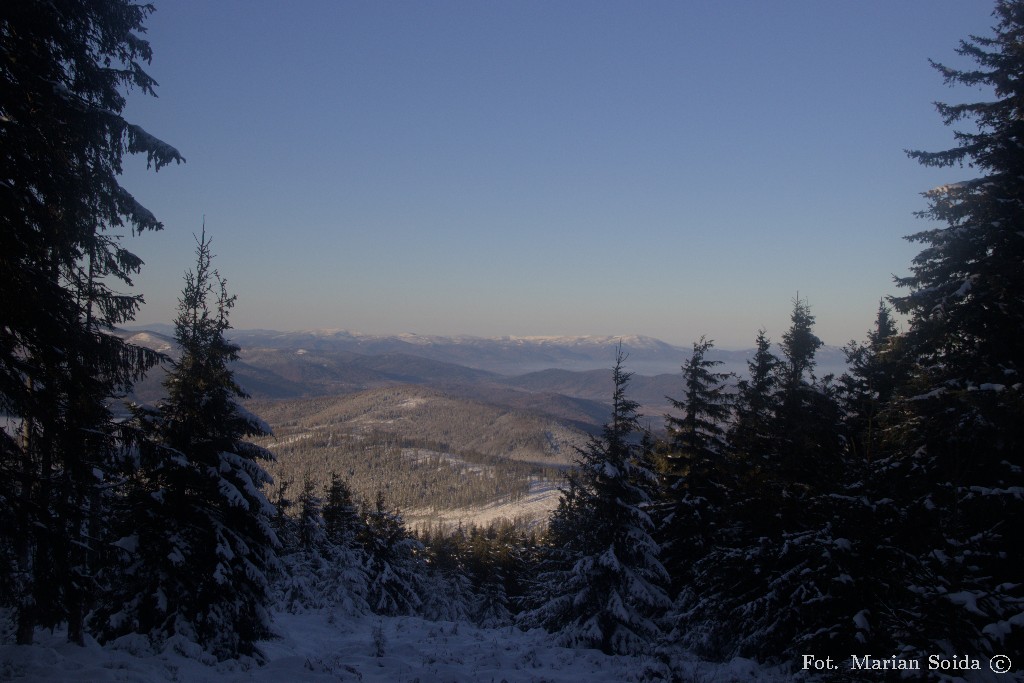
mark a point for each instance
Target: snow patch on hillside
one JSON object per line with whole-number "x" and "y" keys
{"x": 534, "y": 508}
{"x": 151, "y": 340}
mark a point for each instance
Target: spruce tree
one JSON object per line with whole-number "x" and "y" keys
{"x": 345, "y": 581}
{"x": 303, "y": 548}
{"x": 960, "y": 464}
{"x": 342, "y": 520}
{"x": 756, "y": 403}
{"x": 449, "y": 595}
{"x": 394, "y": 562}
{"x": 807, "y": 416}
{"x": 697, "y": 467}
{"x": 65, "y": 67}
{"x": 492, "y": 554}
{"x": 606, "y": 587}
{"x": 199, "y": 540}
{"x": 700, "y": 433}
{"x": 868, "y": 386}
{"x": 323, "y": 562}
{"x": 799, "y": 345}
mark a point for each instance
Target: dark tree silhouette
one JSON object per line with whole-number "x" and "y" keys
{"x": 960, "y": 463}
{"x": 65, "y": 67}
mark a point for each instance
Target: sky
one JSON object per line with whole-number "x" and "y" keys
{"x": 672, "y": 169}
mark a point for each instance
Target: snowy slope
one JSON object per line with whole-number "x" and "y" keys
{"x": 318, "y": 647}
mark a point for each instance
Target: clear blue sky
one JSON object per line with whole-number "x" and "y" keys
{"x": 531, "y": 168}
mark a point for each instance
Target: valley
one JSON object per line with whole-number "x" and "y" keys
{"x": 448, "y": 429}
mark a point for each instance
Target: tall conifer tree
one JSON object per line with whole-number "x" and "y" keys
{"x": 807, "y": 416}
{"x": 756, "y": 403}
{"x": 607, "y": 586}
{"x": 869, "y": 385}
{"x": 699, "y": 433}
{"x": 63, "y": 70}
{"x": 697, "y": 462}
{"x": 394, "y": 562}
{"x": 200, "y": 543}
{"x": 961, "y": 464}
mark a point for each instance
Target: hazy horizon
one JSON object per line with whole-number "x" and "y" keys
{"x": 684, "y": 345}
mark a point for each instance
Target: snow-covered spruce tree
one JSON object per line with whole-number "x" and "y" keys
{"x": 198, "y": 537}
{"x": 806, "y": 517}
{"x": 450, "y": 595}
{"x": 345, "y": 584}
{"x": 323, "y": 564}
{"x": 312, "y": 532}
{"x": 959, "y": 471}
{"x": 303, "y": 544}
{"x": 491, "y": 554}
{"x": 696, "y": 462}
{"x": 396, "y": 571}
{"x": 283, "y": 524}
{"x": 787, "y": 443}
{"x": 604, "y": 585}
{"x": 490, "y": 608}
{"x": 62, "y": 139}
{"x": 342, "y": 521}
{"x": 798, "y": 515}
{"x": 499, "y": 558}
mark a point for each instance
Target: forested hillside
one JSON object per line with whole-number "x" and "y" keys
{"x": 423, "y": 450}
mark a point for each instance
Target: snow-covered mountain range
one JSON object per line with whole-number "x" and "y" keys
{"x": 502, "y": 355}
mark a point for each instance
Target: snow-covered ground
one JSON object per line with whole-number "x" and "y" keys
{"x": 319, "y": 646}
